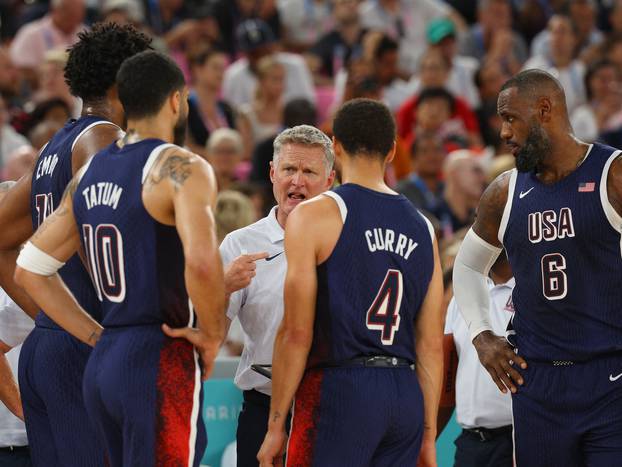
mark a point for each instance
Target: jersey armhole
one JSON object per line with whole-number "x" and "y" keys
{"x": 341, "y": 204}
{"x": 508, "y": 206}
{"x": 153, "y": 157}
{"x": 99, "y": 122}
{"x": 429, "y": 225}
{"x": 610, "y": 213}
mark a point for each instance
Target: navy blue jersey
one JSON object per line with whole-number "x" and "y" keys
{"x": 137, "y": 264}
{"x": 372, "y": 286}
{"x": 52, "y": 173}
{"x": 563, "y": 242}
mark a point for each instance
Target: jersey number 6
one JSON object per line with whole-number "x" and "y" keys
{"x": 384, "y": 313}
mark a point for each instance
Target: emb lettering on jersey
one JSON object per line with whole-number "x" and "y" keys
{"x": 102, "y": 193}
{"x": 47, "y": 165}
{"x": 379, "y": 239}
{"x": 549, "y": 226}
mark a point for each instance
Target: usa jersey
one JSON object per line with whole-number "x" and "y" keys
{"x": 563, "y": 243}
{"x": 372, "y": 286}
{"x": 53, "y": 171}
{"x": 136, "y": 263}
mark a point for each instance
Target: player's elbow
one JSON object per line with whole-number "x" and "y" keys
{"x": 431, "y": 344}
{"x": 20, "y": 276}
{"x": 296, "y": 337}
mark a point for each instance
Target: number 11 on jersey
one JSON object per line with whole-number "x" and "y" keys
{"x": 384, "y": 313}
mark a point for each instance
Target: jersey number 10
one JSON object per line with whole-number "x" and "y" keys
{"x": 104, "y": 252}
{"x": 384, "y": 313}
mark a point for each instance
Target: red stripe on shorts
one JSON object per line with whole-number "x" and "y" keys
{"x": 305, "y": 420}
{"x": 175, "y": 393}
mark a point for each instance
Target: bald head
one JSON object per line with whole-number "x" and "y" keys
{"x": 533, "y": 84}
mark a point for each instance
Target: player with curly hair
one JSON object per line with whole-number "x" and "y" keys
{"x": 52, "y": 362}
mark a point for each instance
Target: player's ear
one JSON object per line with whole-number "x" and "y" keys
{"x": 544, "y": 109}
{"x": 391, "y": 155}
{"x": 175, "y": 101}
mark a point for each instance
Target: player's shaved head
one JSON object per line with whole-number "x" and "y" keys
{"x": 533, "y": 84}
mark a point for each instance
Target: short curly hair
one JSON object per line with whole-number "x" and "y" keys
{"x": 95, "y": 59}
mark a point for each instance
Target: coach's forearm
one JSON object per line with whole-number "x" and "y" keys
{"x": 9, "y": 392}
{"x": 430, "y": 375}
{"x": 291, "y": 350}
{"x": 51, "y": 294}
{"x": 17, "y": 294}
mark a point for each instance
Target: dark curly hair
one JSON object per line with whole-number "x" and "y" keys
{"x": 365, "y": 127}
{"x": 95, "y": 59}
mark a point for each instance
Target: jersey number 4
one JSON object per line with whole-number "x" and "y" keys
{"x": 104, "y": 251}
{"x": 384, "y": 313}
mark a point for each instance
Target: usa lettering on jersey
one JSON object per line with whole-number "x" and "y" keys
{"x": 549, "y": 225}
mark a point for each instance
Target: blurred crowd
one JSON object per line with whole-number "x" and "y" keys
{"x": 258, "y": 66}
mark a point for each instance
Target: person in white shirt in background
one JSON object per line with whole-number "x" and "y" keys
{"x": 256, "y": 41}
{"x": 15, "y": 325}
{"x": 482, "y": 411}
{"x": 255, "y": 266}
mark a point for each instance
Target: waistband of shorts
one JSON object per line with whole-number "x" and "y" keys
{"x": 133, "y": 327}
{"x": 487, "y": 434}
{"x": 566, "y": 363}
{"x": 372, "y": 361}
{"x": 255, "y": 397}
{"x": 14, "y": 449}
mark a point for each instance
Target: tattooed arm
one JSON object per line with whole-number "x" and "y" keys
{"x": 181, "y": 190}
{"x": 58, "y": 237}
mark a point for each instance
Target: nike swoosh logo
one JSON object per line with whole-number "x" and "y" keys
{"x": 615, "y": 378}
{"x": 522, "y": 195}
{"x": 270, "y": 258}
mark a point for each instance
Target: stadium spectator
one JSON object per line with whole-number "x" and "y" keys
{"x": 19, "y": 162}
{"x": 206, "y": 110}
{"x": 492, "y": 34}
{"x": 423, "y": 187}
{"x": 405, "y": 21}
{"x": 434, "y": 110}
{"x": 10, "y": 139}
{"x": 57, "y": 29}
{"x": 488, "y": 79}
{"x": 583, "y": 15}
{"x": 263, "y": 116}
{"x": 256, "y": 40}
{"x": 568, "y": 70}
{"x": 333, "y": 50}
{"x": 464, "y": 184}
{"x": 224, "y": 152}
{"x": 52, "y": 83}
{"x": 304, "y": 22}
{"x": 603, "y": 110}
{"x": 441, "y": 34}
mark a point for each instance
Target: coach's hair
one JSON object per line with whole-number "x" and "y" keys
{"x": 305, "y": 135}
{"x": 95, "y": 59}
{"x": 365, "y": 127}
{"x": 145, "y": 81}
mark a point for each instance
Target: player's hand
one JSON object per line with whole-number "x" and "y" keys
{"x": 427, "y": 455}
{"x": 207, "y": 348}
{"x": 240, "y": 272}
{"x": 273, "y": 449}
{"x": 498, "y": 357}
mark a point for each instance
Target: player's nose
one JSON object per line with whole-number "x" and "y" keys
{"x": 506, "y": 131}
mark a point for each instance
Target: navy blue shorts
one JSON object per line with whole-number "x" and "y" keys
{"x": 143, "y": 393}
{"x": 51, "y": 367}
{"x": 356, "y": 416}
{"x": 569, "y": 415}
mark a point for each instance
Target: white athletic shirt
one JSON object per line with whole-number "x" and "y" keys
{"x": 479, "y": 403}
{"x": 15, "y": 326}
{"x": 259, "y": 307}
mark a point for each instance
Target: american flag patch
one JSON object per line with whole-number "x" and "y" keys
{"x": 586, "y": 187}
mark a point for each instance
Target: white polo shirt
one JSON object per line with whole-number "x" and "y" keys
{"x": 259, "y": 307}
{"x": 479, "y": 403}
{"x": 15, "y": 326}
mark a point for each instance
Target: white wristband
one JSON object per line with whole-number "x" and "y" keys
{"x": 38, "y": 261}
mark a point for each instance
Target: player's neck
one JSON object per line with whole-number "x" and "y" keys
{"x": 101, "y": 108}
{"x": 563, "y": 158}
{"x": 366, "y": 173}
{"x": 138, "y": 130}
